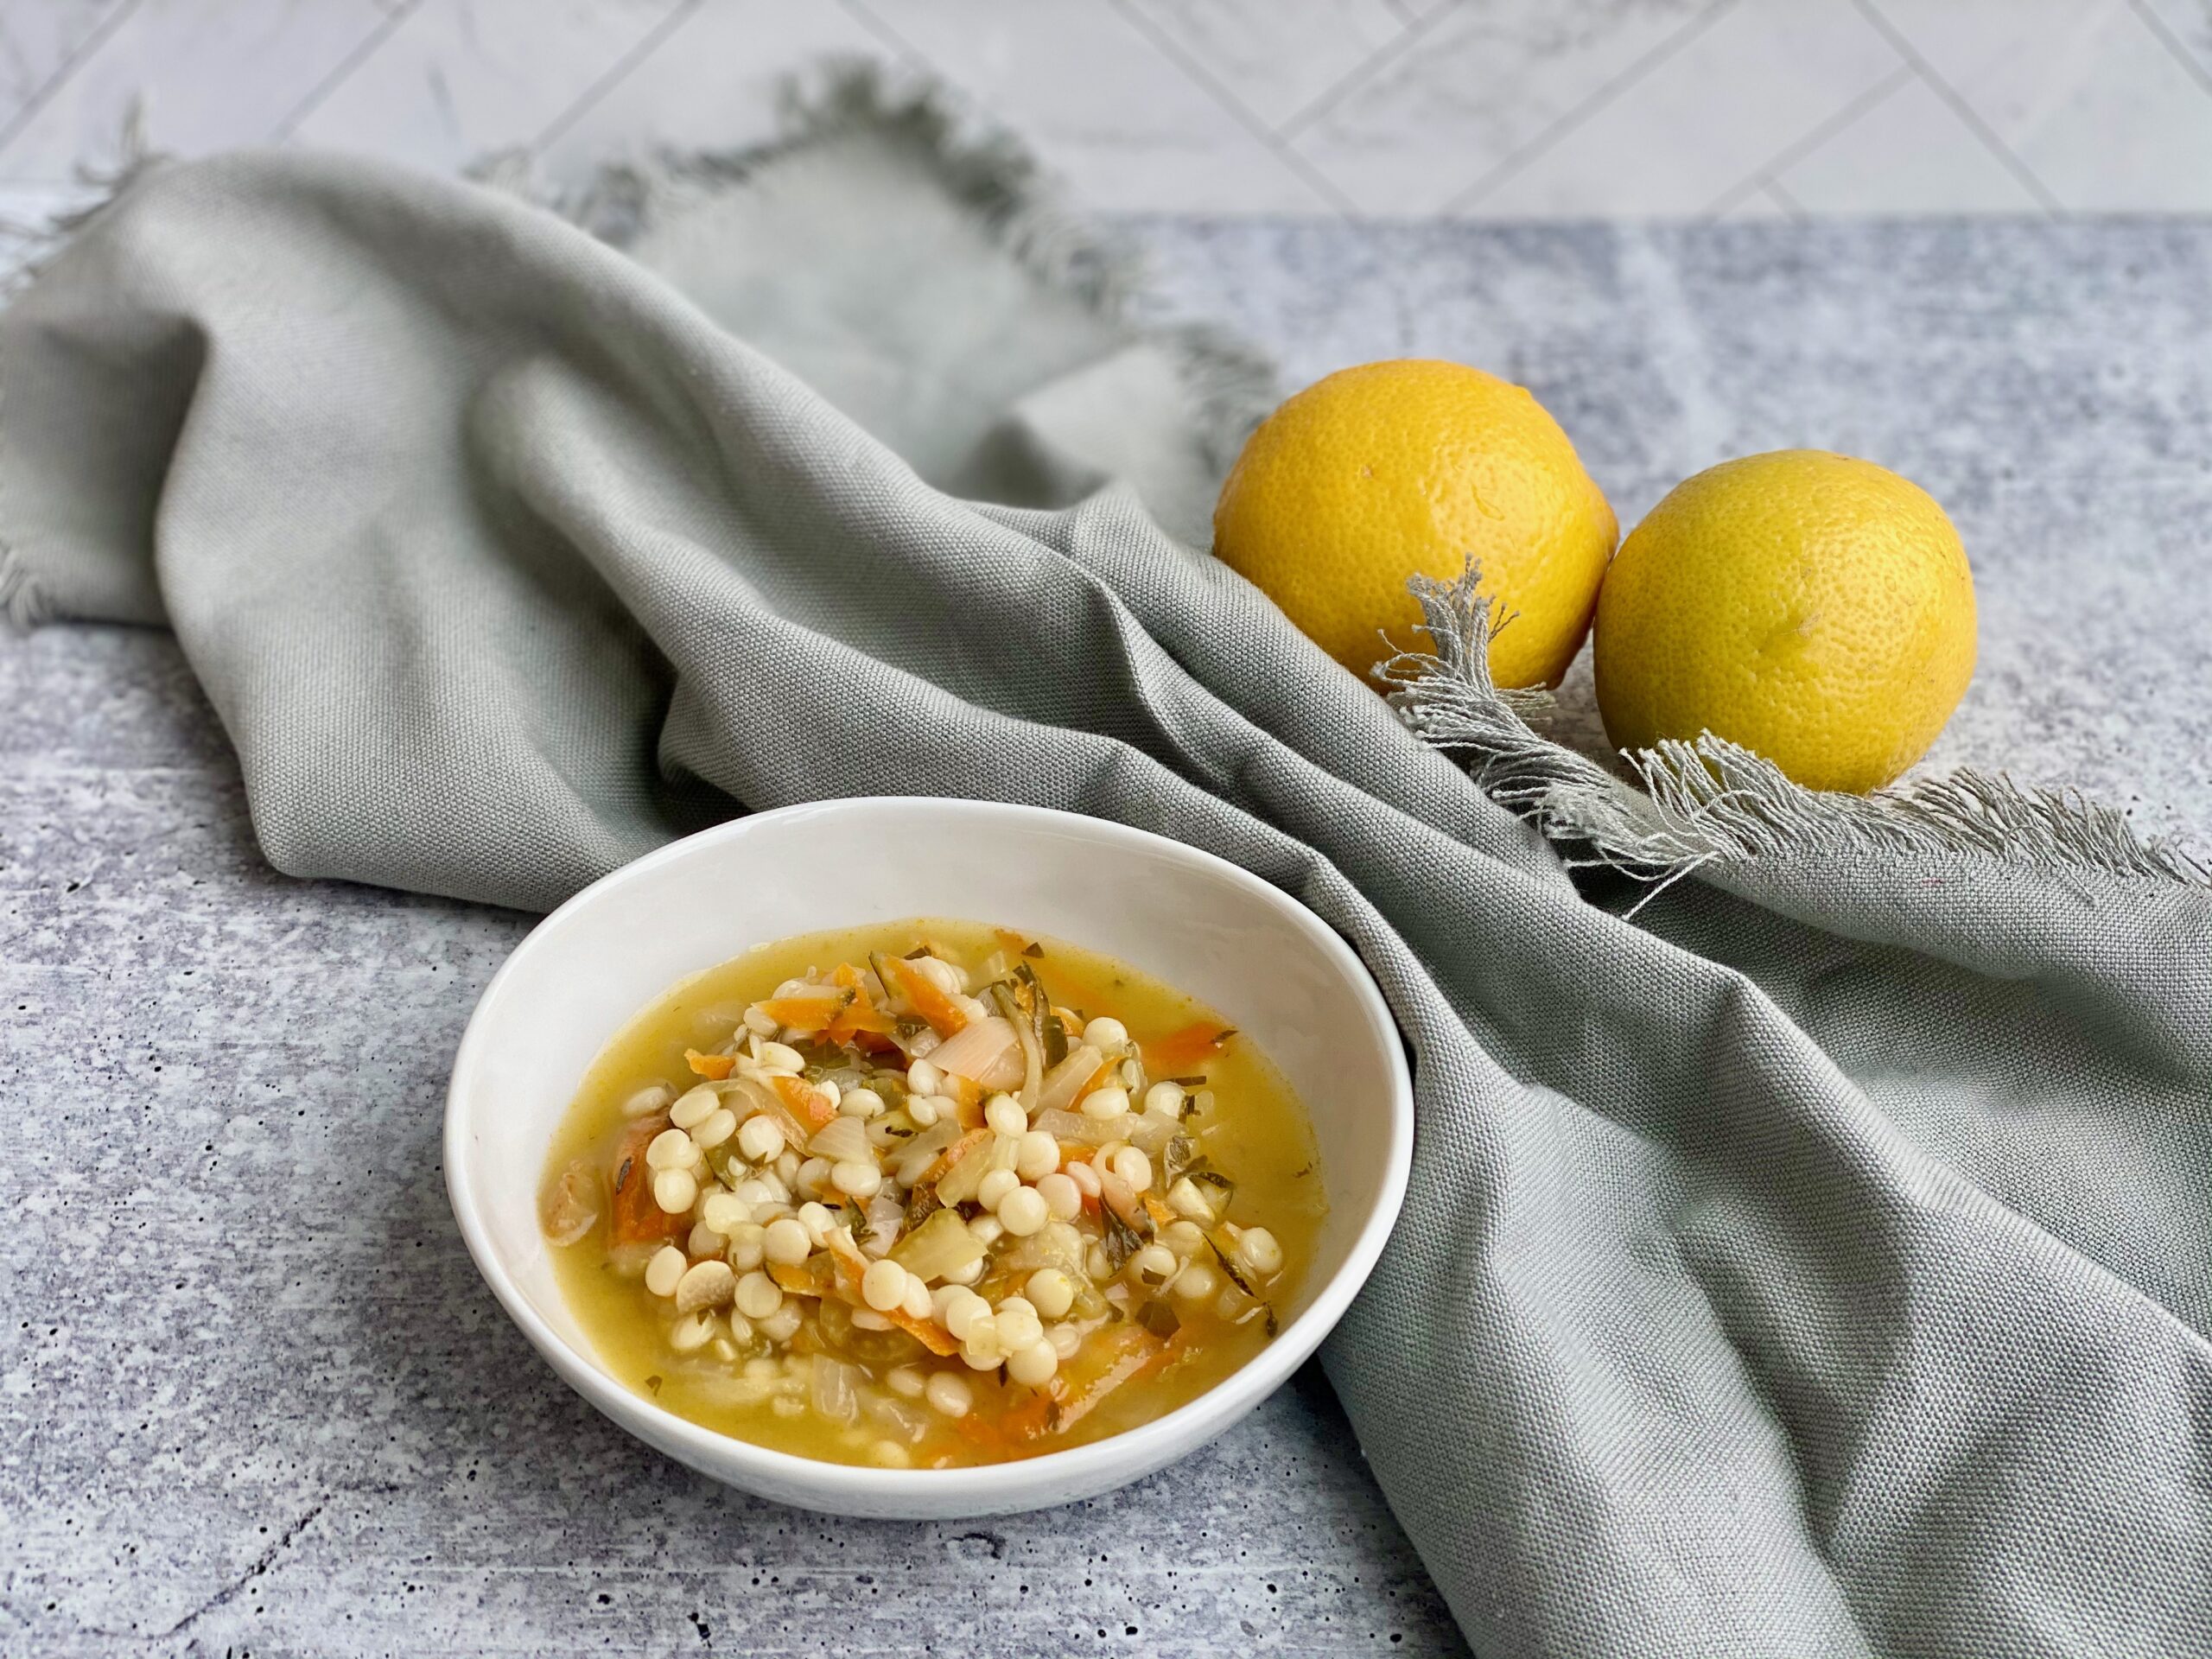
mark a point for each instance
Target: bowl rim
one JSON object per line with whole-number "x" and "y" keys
{"x": 1076, "y": 1470}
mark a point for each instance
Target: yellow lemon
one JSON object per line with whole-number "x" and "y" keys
{"x": 1377, "y": 473}
{"x": 1816, "y": 608}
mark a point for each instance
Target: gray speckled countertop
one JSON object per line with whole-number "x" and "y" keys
{"x": 254, "y": 1399}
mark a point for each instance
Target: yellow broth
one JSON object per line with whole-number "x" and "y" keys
{"x": 1249, "y": 1128}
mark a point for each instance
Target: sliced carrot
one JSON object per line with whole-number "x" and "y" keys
{"x": 1107, "y": 1361}
{"x": 1181, "y": 1051}
{"x": 713, "y": 1067}
{"x": 806, "y": 1013}
{"x": 924, "y": 997}
{"x": 859, "y": 1018}
{"x": 802, "y": 1100}
{"x": 634, "y": 1218}
{"x": 800, "y": 1278}
{"x": 953, "y": 1154}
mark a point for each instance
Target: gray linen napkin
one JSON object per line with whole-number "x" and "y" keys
{"x": 1817, "y": 1262}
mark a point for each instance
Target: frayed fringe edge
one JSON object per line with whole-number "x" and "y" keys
{"x": 991, "y": 171}
{"x": 1712, "y": 802}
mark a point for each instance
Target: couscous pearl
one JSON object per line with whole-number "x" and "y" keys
{"x": 1105, "y": 1032}
{"x": 706, "y": 1284}
{"x": 663, "y": 1272}
{"x": 670, "y": 1149}
{"x": 949, "y": 1393}
{"x": 941, "y": 973}
{"x": 923, "y": 1110}
{"x": 676, "y": 1190}
{"x": 724, "y": 1211}
{"x": 883, "y": 1287}
{"x": 1017, "y": 1323}
{"x": 787, "y": 1405}
{"x": 755, "y": 1191}
{"x": 1024, "y": 1212}
{"x": 811, "y": 1175}
{"x": 1003, "y": 1113}
{"x": 780, "y": 1057}
{"x": 1063, "y": 1197}
{"x": 828, "y": 1090}
{"x": 906, "y": 1382}
{"x": 1258, "y": 1251}
{"x": 960, "y": 1313}
{"x": 714, "y": 1129}
{"x": 759, "y": 1296}
{"x": 647, "y": 1101}
{"x": 856, "y": 1179}
{"x": 759, "y": 1139}
{"x": 786, "y": 1171}
{"x": 749, "y": 1246}
{"x": 1050, "y": 1292}
{"x": 690, "y": 1335}
{"x": 1095, "y": 1263}
{"x": 867, "y": 1319}
{"x": 922, "y": 1077}
{"x": 1085, "y": 1179}
{"x": 915, "y": 1305}
{"x": 695, "y": 1106}
{"x": 1155, "y": 1264}
{"x": 1186, "y": 1199}
{"x": 1195, "y": 1282}
{"x": 1165, "y": 1099}
{"x": 759, "y": 1021}
{"x": 1037, "y": 1156}
{"x": 860, "y": 1104}
{"x": 704, "y": 1241}
{"x": 972, "y": 1006}
{"x": 1065, "y": 1340}
{"x": 816, "y": 1220}
{"x": 988, "y": 1230}
{"x": 1183, "y": 1237}
{"x": 888, "y": 1454}
{"x": 981, "y": 1352}
{"x": 786, "y": 1242}
{"x": 943, "y": 1298}
{"x": 1133, "y": 1166}
{"x": 995, "y": 1186}
{"x": 781, "y": 1325}
{"x": 967, "y": 1275}
{"x": 1033, "y": 1366}
{"x": 1102, "y": 1104}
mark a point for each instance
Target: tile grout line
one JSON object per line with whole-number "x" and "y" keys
{"x": 1772, "y": 190}
{"x": 1360, "y": 74}
{"x": 650, "y": 42}
{"x": 282, "y": 132}
{"x": 2180, "y": 48}
{"x": 43, "y": 94}
{"x": 1795, "y": 152}
{"x": 1519, "y": 159}
{"x": 1965, "y": 111}
{"x": 1200, "y": 76}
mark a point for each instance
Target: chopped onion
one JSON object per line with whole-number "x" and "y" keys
{"x": 979, "y": 1050}
{"x": 939, "y": 1247}
{"x": 842, "y": 1140}
{"x": 837, "y": 1389}
{"x": 1058, "y": 1091}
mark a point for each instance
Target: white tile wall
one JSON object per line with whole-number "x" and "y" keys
{"x": 1491, "y": 108}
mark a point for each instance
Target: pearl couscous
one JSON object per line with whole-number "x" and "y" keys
{"x": 929, "y": 1194}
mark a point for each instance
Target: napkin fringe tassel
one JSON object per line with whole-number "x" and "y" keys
{"x": 1691, "y": 804}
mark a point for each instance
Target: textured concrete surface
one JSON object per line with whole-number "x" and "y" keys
{"x": 253, "y": 1398}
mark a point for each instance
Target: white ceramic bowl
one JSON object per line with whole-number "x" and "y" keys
{"x": 1262, "y": 961}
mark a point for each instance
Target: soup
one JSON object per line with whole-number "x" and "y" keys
{"x": 928, "y": 1194}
